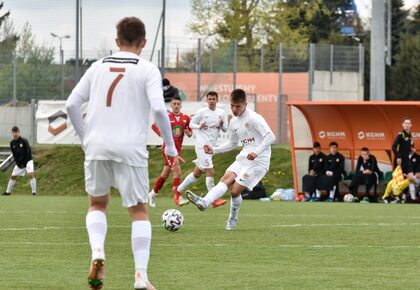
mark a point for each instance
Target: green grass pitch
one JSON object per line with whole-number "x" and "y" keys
{"x": 278, "y": 245}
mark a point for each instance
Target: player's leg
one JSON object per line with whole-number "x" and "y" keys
{"x": 216, "y": 192}
{"x": 210, "y": 184}
{"x": 159, "y": 184}
{"x": 98, "y": 180}
{"x": 10, "y": 185}
{"x": 190, "y": 179}
{"x": 235, "y": 204}
{"x": 175, "y": 183}
{"x": 32, "y": 180}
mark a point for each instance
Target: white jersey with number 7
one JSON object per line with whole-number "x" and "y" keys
{"x": 119, "y": 90}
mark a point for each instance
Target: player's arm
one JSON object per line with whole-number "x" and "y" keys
{"x": 195, "y": 121}
{"x": 160, "y": 114}
{"x": 396, "y": 145}
{"x": 269, "y": 137}
{"x": 156, "y": 129}
{"x": 15, "y": 155}
{"x": 359, "y": 163}
{"x": 225, "y": 124}
{"x": 226, "y": 147}
{"x": 188, "y": 131}
{"x": 78, "y": 96}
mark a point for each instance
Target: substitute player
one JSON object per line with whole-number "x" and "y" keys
{"x": 180, "y": 127}
{"x": 251, "y": 163}
{"x": 121, "y": 90}
{"x": 23, "y": 158}
{"x": 207, "y": 124}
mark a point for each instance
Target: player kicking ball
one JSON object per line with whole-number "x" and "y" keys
{"x": 121, "y": 91}
{"x": 207, "y": 124}
{"x": 251, "y": 164}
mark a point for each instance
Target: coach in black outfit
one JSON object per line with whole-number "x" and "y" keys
{"x": 402, "y": 148}
{"x": 169, "y": 91}
{"x": 316, "y": 168}
{"x": 367, "y": 173}
{"x": 334, "y": 172}
{"x": 23, "y": 158}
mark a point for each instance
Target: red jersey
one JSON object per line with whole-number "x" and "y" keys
{"x": 179, "y": 124}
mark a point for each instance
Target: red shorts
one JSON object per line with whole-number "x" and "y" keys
{"x": 165, "y": 159}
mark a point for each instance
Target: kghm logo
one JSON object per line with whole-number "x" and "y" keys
{"x": 332, "y": 134}
{"x": 371, "y": 135}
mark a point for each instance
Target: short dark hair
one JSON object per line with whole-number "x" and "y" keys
{"x": 166, "y": 82}
{"x": 364, "y": 149}
{"x": 238, "y": 96}
{"x": 15, "y": 129}
{"x": 333, "y": 144}
{"x": 316, "y": 145}
{"x": 405, "y": 119}
{"x": 131, "y": 31}
{"x": 213, "y": 93}
{"x": 178, "y": 98}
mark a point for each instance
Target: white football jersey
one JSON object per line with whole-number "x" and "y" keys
{"x": 119, "y": 90}
{"x": 210, "y": 133}
{"x": 250, "y": 129}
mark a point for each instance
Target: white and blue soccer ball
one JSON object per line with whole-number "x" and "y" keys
{"x": 348, "y": 197}
{"x": 172, "y": 220}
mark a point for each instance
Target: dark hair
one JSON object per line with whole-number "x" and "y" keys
{"x": 365, "y": 149}
{"x": 178, "y": 98}
{"x": 131, "y": 31}
{"x": 405, "y": 119}
{"x": 238, "y": 96}
{"x": 15, "y": 129}
{"x": 213, "y": 93}
{"x": 166, "y": 82}
{"x": 316, "y": 145}
{"x": 333, "y": 144}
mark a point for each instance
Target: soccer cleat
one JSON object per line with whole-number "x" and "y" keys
{"x": 218, "y": 202}
{"x": 34, "y": 193}
{"x": 329, "y": 199}
{"x": 315, "y": 199}
{"x": 196, "y": 200}
{"x": 96, "y": 274}
{"x": 365, "y": 200}
{"x": 182, "y": 201}
{"x": 396, "y": 200}
{"x": 140, "y": 284}
{"x": 231, "y": 224}
{"x": 152, "y": 197}
{"x": 6, "y": 193}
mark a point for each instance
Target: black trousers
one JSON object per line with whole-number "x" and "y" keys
{"x": 326, "y": 182}
{"x": 309, "y": 183}
{"x": 360, "y": 178}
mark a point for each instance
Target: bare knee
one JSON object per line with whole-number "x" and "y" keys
{"x": 138, "y": 212}
{"x": 98, "y": 203}
{"x": 197, "y": 172}
{"x": 13, "y": 177}
{"x": 31, "y": 175}
{"x": 210, "y": 172}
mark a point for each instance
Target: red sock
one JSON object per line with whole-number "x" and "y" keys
{"x": 159, "y": 184}
{"x": 175, "y": 183}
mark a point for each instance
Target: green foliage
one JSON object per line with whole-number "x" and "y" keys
{"x": 278, "y": 245}
{"x": 406, "y": 73}
{"x": 413, "y": 23}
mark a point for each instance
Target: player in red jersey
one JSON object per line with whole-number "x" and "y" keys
{"x": 180, "y": 127}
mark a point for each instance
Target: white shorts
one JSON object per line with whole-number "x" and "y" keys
{"x": 17, "y": 171}
{"x": 204, "y": 161}
{"x": 132, "y": 182}
{"x": 248, "y": 173}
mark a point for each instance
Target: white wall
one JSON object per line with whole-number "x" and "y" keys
{"x": 345, "y": 86}
{"x": 15, "y": 116}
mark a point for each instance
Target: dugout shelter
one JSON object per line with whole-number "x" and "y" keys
{"x": 352, "y": 125}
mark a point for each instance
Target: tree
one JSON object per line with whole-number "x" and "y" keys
{"x": 413, "y": 22}
{"x": 406, "y": 73}
{"x": 8, "y": 38}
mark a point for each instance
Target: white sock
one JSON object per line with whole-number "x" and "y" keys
{"x": 318, "y": 193}
{"x": 332, "y": 192}
{"x": 235, "y": 205}
{"x": 209, "y": 182}
{"x": 10, "y": 185}
{"x": 190, "y": 179}
{"x": 141, "y": 236}
{"x": 96, "y": 226}
{"x": 32, "y": 182}
{"x": 412, "y": 190}
{"x": 216, "y": 192}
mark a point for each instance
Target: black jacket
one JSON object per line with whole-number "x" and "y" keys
{"x": 317, "y": 163}
{"x": 170, "y": 93}
{"x": 21, "y": 151}
{"x": 415, "y": 162}
{"x": 335, "y": 163}
{"x": 370, "y": 164}
{"x": 402, "y": 145}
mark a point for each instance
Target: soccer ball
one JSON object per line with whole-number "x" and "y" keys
{"x": 348, "y": 197}
{"x": 172, "y": 220}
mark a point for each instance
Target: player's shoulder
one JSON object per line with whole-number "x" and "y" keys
{"x": 201, "y": 110}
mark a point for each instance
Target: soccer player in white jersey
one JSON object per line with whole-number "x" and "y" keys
{"x": 206, "y": 124}
{"x": 251, "y": 164}
{"x": 121, "y": 90}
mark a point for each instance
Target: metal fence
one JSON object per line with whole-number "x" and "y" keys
{"x": 294, "y": 72}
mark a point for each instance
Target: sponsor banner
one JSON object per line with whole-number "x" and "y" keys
{"x": 331, "y": 135}
{"x": 54, "y": 126}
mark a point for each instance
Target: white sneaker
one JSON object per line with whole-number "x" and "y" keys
{"x": 231, "y": 224}
{"x": 140, "y": 284}
{"x": 183, "y": 201}
{"x": 152, "y": 197}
